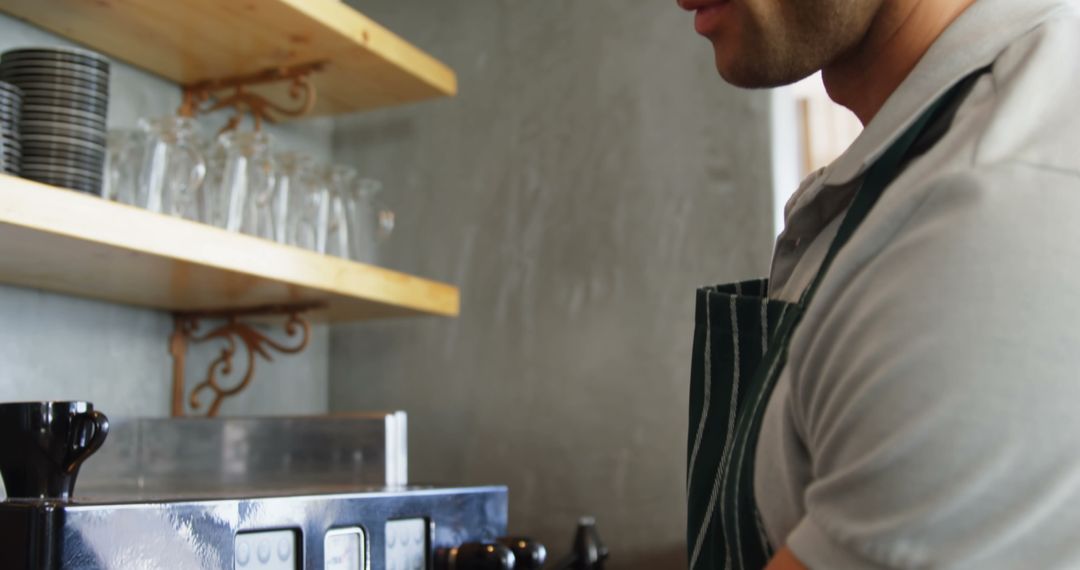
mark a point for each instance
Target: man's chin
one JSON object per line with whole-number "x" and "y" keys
{"x": 741, "y": 80}
{"x": 754, "y": 75}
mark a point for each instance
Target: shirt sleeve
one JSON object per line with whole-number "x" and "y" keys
{"x": 937, "y": 384}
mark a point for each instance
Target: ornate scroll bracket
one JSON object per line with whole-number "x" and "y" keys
{"x": 204, "y": 97}
{"x": 236, "y": 334}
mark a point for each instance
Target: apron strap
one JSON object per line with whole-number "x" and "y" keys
{"x": 883, "y": 172}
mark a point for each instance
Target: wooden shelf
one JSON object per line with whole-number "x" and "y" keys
{"x": 78, "y": 244}
{"x": 188, "y": 41}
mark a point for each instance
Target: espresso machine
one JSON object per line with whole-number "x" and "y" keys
{"x": 223, "y": 494}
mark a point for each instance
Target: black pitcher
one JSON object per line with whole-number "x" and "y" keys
{"x": 42, "y": 445}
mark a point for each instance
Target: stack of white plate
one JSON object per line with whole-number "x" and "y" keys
{"x": 10, "y": 108}
{"x": 62, "y": 125}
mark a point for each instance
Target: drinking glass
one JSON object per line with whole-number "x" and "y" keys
{"x": 294, "y": 181}
{"x": 122, "y": 162}
{"x": 339, "y": 182}
{"x": 371, "y": 222}
{"x": 172, "y": 167}
{"x": 243, "y": 194}
{"x": 215, "y": 171}
{"x": 309, "y": 208}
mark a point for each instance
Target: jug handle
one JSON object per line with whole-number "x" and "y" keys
{"x": 99, "y": 426}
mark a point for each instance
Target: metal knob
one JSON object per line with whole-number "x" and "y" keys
{"x": 591, "y": 553}
{"x": 475, "y": 556}
{"x": 588, "y": 552}
{"x": 529, "y": 554}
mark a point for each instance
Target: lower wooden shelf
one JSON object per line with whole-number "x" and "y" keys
{"x": 66, "y": 242}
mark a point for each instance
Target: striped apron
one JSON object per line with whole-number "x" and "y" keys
{"x": 741, "y": 341}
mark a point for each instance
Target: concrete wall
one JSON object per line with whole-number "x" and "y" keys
{"x": 59, "y": 347}
{"x": 591, "y": 174}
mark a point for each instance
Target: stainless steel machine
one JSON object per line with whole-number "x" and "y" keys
{"x": 302, "y": 493}
{"x": 392, "y": 529}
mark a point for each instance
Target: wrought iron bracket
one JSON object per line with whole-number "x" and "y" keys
{"x": 236, "y": 333}
{"x": 216, "y": 94}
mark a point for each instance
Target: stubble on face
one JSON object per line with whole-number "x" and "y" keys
{"x": 778, "y": 42}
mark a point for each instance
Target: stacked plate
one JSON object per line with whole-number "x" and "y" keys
{"x": 62, "y": 125}
{"x": 10, "y": 108}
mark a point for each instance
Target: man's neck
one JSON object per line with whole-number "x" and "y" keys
{"x": 901, "y": 33}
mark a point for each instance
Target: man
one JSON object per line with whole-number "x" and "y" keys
{"x": 915, "y": 403}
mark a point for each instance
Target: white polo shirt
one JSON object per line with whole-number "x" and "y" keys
{"x": 929, "y": 413}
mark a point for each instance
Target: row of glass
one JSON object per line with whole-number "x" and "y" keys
{"x": 236, "y": 182}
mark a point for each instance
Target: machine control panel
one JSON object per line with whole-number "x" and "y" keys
{"x": 406, "y": 544}
{"x": 265, "y": 550}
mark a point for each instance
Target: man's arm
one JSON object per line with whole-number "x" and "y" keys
{"x": 933, "y": 382}
{"x": 785, "y": 560}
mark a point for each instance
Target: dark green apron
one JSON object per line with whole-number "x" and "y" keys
{"x": 740, "y": 346}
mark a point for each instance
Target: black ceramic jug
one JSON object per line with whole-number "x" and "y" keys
{"x": 42, "y": 445}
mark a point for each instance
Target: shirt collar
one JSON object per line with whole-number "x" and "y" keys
{"x": 973, "y": 41}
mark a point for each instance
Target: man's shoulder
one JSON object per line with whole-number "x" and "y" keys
{"x": 1026, "y": 112}
{"x": 1014, "y": 142}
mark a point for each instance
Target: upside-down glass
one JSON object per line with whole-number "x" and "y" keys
{"x": 339, "y": 182}
{"x": 172, "y": 167}
{"x": 371, "y": 222}
{"x": 294, "y": 180}
{"x": 122, "y": 162}
{"x": 215, "y": 170}
{"x": 309, "y": 206}
{"x": 242, "y": 196}
{"x": 261, "y": 206}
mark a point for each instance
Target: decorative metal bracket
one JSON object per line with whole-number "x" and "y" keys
{"x": 186, "y": 332}
{"x": 203, "y": 97}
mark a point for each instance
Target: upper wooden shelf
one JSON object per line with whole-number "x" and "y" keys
{"x": 78, "y": 244}
{"x": 188, "y": 41}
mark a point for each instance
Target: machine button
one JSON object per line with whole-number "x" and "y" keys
{"x": 243, "y": 554}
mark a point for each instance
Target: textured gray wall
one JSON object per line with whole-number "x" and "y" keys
{"x": 591, "y": 174}
{"x": 59, "y": 347}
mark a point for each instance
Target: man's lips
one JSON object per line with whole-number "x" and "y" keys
{"x": 695, "y": 5}
{"x": 709, "y": 14}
